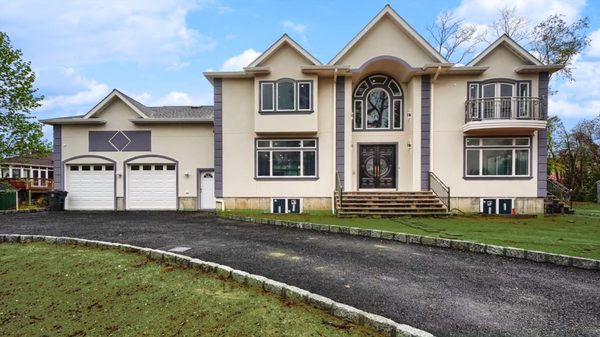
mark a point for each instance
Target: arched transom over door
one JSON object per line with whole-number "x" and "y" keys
{"x": 378, "y": 104}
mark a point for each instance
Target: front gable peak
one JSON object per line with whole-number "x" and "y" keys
{"x": 283, "y": 41}
{"x": 505, "y": 41}
{"x": 388, "y": 13}
{"x": 136, "y": 106}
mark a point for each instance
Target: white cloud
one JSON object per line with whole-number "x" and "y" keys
{"x": 240, "y": 61}
{"x": 594, "y": 48}
{"x": 296, "y": 27}
{"x": 101, "y": 31}
{"x": 90, "y": 92}
{"x": 486, "y": 11}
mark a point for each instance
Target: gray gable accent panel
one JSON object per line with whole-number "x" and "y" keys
{"x": 425, "y": 131}
{"x": 57, "y": 157}
{"x": 542, "y": 171}
{"x": 218, "y": 132}
{"x": 339, "y": 126}
{"x": 120, "y": 141}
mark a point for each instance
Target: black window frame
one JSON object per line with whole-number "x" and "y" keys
{"x": 359, "y": 98}
{"x": 514, "y": 147}
{"x": 274, "y": 87}
{"x": 301, "y": 149}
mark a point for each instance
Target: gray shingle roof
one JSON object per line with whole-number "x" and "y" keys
{"x": 205, "y": 112}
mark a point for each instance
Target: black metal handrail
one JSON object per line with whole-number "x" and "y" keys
{"x": 560, "y": 191}
{"x": 440, "y": 189}
{"x": 339, "y": 189}
{"x": 511, "y": 108}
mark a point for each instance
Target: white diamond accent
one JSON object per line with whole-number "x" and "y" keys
{"x": 179, "y": 249}
{"x": 124, "y": 135}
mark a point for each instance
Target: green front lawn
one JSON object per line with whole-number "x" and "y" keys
{"x": 49, "y": 290}
{"x": 576, "y": 235}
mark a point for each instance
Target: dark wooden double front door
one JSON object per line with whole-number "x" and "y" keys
{"x": 377, "y": 166}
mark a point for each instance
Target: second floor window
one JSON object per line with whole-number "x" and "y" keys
{"x": 501, "y": 100}
{"x": 285, "y": 95}
{"x": 377, "y": 104}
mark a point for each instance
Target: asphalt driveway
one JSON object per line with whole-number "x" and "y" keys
{"x": 445, "y": 292}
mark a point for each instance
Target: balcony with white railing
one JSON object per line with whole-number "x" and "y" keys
{"x": 506, "y": 113}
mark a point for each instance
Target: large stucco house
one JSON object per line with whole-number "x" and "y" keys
{"x": 387, "y": 122}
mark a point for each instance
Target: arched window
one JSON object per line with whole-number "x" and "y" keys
{"x": 378, "y": 104}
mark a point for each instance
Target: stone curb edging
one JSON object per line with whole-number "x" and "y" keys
{"x": 32, "y": 210}
{"x": 340, "y": 310}
{"x": 470, "y": 246}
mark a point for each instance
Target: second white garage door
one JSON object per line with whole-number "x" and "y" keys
{"x": 151, "y": 186}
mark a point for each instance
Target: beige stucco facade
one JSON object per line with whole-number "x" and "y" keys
{"x": 426, "y": 99}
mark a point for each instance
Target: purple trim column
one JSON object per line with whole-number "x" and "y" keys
{"x": 218, "y": 131}
{"x": 425, "y": 131}
{"x": 339, "y": 126}
{"x": 542, "y": 162}
{"x": 57, "y": 157}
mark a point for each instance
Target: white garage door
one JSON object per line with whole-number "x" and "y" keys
{"x": 151, "y": 186}
{"x": 90, "y": 187}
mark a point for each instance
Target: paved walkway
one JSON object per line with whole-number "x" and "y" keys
{"x": 445, "y": 292}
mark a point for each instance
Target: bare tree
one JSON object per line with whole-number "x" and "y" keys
{"x": 556, "y": 42}
{"x": 509, "y": 23}
{"x": 450, "y": 35}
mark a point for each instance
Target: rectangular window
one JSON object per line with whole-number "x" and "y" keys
{"x": 85, "y": 167}
{"x": 397, "y": 114}
{"x": 109, "y": 168}
{"x": 170, "y": 167}
{"x": 135, "y": 167}
{"x": 473, "y": 96}
{"x": 289, "y": 158}
{"x": 158, "y": 167}
{"x": 497, "y": 157}
{"x": 304, "y": 94}
{"x": 147, "y": 167}
{"x": 286, "y": 97}
{"x": 97, "y": 167}
{"x": 73, "y": 168}
{"x": 358, "y": 112}
{"x": 524, "y": 107}
{"x": 266, "y": 97}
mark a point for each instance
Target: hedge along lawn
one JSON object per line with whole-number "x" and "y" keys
{"x": 51, "y": 290}
{"x": 575, "y": 235}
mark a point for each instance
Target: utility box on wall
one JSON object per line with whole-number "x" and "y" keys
{"x": 489, "y": 206}
{"x": 286, "y": 205}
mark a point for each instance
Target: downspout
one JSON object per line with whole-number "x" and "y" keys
{"x": 432, "y": 117}
{"x": 334, "y": 110}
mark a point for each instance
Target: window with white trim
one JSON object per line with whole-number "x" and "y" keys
{"x": 378, "y": 104}
{"x": 285, "y": 95}
{"x": 286, "y": 158}
{"x": 497, "y": 157}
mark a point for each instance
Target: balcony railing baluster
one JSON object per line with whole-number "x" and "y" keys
{"x": 514, "y": 108}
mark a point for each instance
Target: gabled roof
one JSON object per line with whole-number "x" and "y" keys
{"x": 388, "y": 11}
{"x": 136, "y": 106}
{"x": 513, "y": 46}
{"x": 285, "y": 39}
{"x": 158, "y": 114}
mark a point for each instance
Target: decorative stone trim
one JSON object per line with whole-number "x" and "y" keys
{"x": 342, "y": 311}
{"x": 469, "y": 246}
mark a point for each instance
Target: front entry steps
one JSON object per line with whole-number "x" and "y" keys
{"x": 390, "y": 204}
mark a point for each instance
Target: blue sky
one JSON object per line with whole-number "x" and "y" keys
{"x": 156, "y": 51}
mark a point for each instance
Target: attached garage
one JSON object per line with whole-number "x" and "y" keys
{"x": 90, "y": 187}
{"x": 151, "y": 186}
